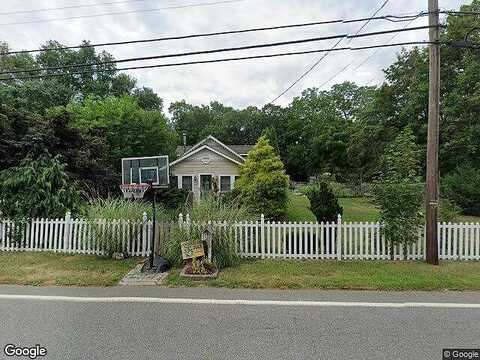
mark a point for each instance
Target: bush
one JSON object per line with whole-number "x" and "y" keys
{"x": 448, "y": 211}
{"x": 263, "y": 184}
{"x": 172, "y": 198}
{"x": 37, "y": 188}
{"x": 223, "y": 243}
{"x": 398, "y": 192}
{"x": 323, "y": 202}
{"x": 99, "y": 210}
{"x": 463, "y": 188}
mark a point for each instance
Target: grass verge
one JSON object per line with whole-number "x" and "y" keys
{"x": 61, "y": 269}
{"x": 358, "y": 275}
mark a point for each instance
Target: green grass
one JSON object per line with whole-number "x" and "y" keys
{"x": 365, "y": 275}
{"x": 354, "y": 209}
{"x": 60, "y": 269}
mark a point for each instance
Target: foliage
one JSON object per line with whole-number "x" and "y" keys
{"x": 323, "y": 202}
{"x": 263, "y": 184}
{"x": 202, "y": 266}
{"x": 223, "y": 243}
{"x": 448, "y": 211}
{"x": 398, "y": 193}
{"x": 173, "y": 198}
{"x": 37, "y": 188}
{"x": 463, "y": 188}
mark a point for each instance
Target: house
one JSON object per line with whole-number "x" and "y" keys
{"x": 208, "y": 166}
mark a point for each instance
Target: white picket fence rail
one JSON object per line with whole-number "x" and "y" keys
{"x": 260, "y": 239}
{"x": 79, "y": 236}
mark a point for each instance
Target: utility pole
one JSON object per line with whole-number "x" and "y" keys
{"x": 432, "y": 178}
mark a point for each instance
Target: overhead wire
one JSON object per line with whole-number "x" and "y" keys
{"x": 219, "y": 50}
{"x": 311, "y": 68}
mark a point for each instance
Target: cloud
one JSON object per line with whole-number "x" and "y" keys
{"x": 237, "y": 84}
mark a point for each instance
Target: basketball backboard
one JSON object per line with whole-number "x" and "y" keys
{"x": 146, "y": 170}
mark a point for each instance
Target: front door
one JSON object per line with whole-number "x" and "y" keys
{"x": 205, "y": 184}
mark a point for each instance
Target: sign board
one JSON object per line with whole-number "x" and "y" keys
{"x": 192, "y": 250}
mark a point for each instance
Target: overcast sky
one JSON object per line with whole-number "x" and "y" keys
{"x": 238, "y": 84}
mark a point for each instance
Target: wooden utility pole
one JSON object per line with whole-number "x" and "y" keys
{"x": 432, "y": 179}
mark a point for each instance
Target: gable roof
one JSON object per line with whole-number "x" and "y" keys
{"x": 233, "y": 151}
{"x": 198, "y": 149}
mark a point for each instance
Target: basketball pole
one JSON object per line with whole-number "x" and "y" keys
{"x": 154, "y": 224}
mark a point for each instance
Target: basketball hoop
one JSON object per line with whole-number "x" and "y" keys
{"x": 135, "y": 191}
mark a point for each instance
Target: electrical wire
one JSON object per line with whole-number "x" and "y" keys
{"x": 124, "y": 12}
{"x": 213, "y": 61}
{"x": 203, "y": 52}
{"x": 366, "y": 59}
{"x": 217, "y": 33}
{"x": 311, "y": 68}
{"x": 17, "y": 12}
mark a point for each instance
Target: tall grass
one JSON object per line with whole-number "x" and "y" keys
{"x": 118, "y": 208}
{"x": 223, "y": 243}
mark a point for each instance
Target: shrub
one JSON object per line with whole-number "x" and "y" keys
{"x": 463, "y": 188}
{"x": 323, "y": 202}
{"x": 37, "y": 188}
{"x": 398, "y": 193}
{"x": 223, "y": 243}
{"x": 98, "y": 211}
{"x": 263, "y": 184}
{"x": 172, "y": 198}
{"x": 448, "y": 211}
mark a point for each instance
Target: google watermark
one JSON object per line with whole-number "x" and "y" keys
{"x": 461, "y": 354}
{"x": 32, "y": 352}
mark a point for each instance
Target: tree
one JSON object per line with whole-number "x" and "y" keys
{"x": 463, "y": 188}
{"x": 125, "y": 129}
{"x": 263, "y": 184}
{"x": 323, "y": 202}
{"x": 398, "y": 193}
{"x": 37, "y": 188}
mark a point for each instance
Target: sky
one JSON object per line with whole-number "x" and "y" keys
{"x": 237, "y": 84}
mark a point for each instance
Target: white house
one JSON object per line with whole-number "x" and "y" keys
{"x": 209, "y": 166}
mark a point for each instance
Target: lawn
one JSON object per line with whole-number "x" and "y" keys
{"x": 61, "y": 269}
{"x": 366, "y": 275}
{"x": 354, "y": 209}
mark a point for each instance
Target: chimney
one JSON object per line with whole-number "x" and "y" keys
{"x": 184, "y": 142}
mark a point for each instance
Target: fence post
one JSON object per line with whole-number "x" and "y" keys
{"x": 339, "y": 237}
{"x": 66, "y": 233}
{"x": 144, "y": 234}
{"x": 262, "y": 235}
{"x": 180, "y": 220}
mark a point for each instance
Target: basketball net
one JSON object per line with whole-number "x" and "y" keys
{"x": 135, "y": 191}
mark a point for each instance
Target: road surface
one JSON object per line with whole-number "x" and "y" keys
{"x": 159, "y": 323}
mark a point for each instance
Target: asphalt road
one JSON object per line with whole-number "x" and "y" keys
{"x": 143, "y": 330}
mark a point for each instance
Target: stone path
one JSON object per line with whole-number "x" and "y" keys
{"x": 138, "y": 278}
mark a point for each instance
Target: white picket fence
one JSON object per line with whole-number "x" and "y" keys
{"x": 349, "y": 240}
{"x": 260, "y": 239}
{"x": 70, "y": 235}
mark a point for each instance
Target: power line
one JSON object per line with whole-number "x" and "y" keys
{"x": 214, "y": 61}
{"x": 17, "y": 12}
{"x": 203, "y": 52}
{"x": 311, "y": 68}
{"x": 365, "y": 60}
{"x": 228, "y": 32}
{"x": 124, "y": 12}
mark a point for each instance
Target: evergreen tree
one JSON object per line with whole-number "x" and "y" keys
{"x": 263, "y": 184}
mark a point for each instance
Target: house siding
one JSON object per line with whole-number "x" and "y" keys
{"x": 204, "y": 162}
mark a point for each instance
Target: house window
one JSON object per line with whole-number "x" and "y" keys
{"x": 225, "y": 183}
{"x": 187, "y": 183}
